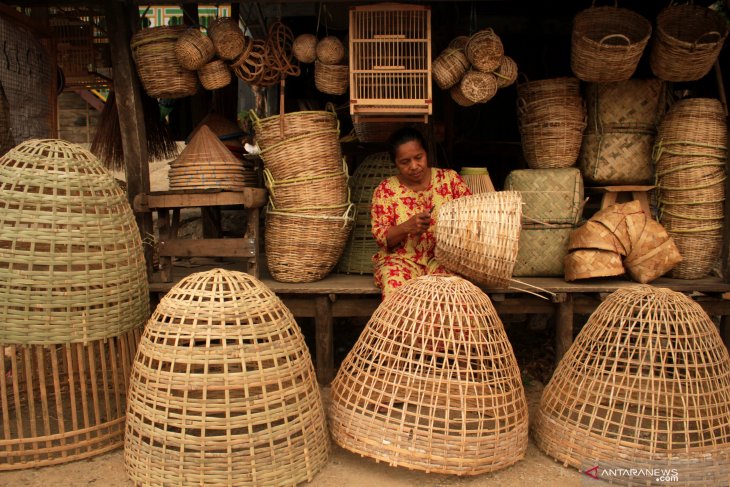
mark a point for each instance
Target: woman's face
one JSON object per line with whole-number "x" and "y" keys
{"x": 412, "y": 162}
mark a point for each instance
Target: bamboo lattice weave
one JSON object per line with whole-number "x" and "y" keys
{"x": 432, "y": 383}
{"x": 223, "y": 390}
{"x": 71, "y": 262}
{"x": 646, "y": 384}
{"x": 548, "y": 195}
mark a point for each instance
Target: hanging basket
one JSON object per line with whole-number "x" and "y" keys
{"x": 478, "y": 87}
{"x": 249, "y": 65}
{"x": 449, "y": 68}
{"x": 330, "y": 50}
{"x": 227, "y": 37}
{"x": 304, "y": 48}
{"x": 607, "y": 43}
{"x": 484, "y": 51}
{"x": 506, "y": 73}
{"x": 194, "y": 49}
{"x": 458, "y": 97}
{"x": 331, "y": 79}
{"x": 215, "y": 75}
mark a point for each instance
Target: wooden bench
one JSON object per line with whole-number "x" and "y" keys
{"x": 340, "y": 295}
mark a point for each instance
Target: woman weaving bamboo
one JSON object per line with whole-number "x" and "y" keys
{"x": 404, "y": 210}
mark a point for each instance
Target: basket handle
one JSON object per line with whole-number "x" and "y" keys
{"x": 616, "y": 36}
{"x": 712, "y": 33}
{"x": 254, "y": 116}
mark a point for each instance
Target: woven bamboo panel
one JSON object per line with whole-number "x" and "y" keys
{"x": 588, "y": 263}
{"x": 63, "y": 402}
{"x": 542, "y": 250}
{"x": 632, "y": 104}
{"x": 645, "y": 385}
{"x": 617, "y": 158}
{"x": 72, "y": 267}
{"x": 548, "y": 195}
{"x": 477, "y": 236}
{"x": 223, "y": 391}
{"x": 443, "y": 399}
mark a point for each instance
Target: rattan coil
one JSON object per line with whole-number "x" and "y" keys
{"x": 548, "y": 195}
{"x": 477, "y": 179}
{"x": 418, "y": 394}
{"x": 227, "y": 37}
{"x": 272, "y": 130}
{"x": 161, "y": 74}
{"x": 194, "y": 49}
{"x": 687, "y": 42}
{"x": 332, "y": 79}
{"x": 305, "y": 247}
{"x": 477, "y": 236}
{"x": 607, "y": 43}
{"x": 72, "y": 267}
{"x": 645, "y": 385}
{"x": 330, "y": 50}
{"x": 484, "y": 50}
{"x": 324, "y": 190}
{"x": 279, "y": 42}
{"x": 215, "y": 75}
{"x": 506, "y": 73}
{"x": 458, "y": 96}
{"x": 449, "y": 67}
{"x": 223, "y": 391}
{"x": 542, "y": 250}
{"x": 305, "y": 48}
{"x": 478, "y": 87}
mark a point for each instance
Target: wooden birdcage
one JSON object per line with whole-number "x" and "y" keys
{"x": 390, "y": 62}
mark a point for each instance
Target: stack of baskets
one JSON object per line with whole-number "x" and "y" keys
{"x": 622, "y": 121}
{"x": 310, "y": 215}
{"x": 331, "y": 72}
{"x": 552, "y": 206}
{"x": 551, "y": 118}
{"x": 477, "y": 179}
{"x": 474, "y": 68}
{"x": 690, "y": 156}
{"x": 361, "y": 247}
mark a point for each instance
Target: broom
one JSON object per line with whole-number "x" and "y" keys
{"x": 107, "y": 143}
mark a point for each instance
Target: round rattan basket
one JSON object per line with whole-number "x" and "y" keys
{"x": 484, "y": 51}
{"x": 458, "y": 96}
{"x": 155, "y": 56}
{"x": 645, "y": 385}
{"x": 227, "y": 37}
{"x": 273, "y": 130}
{"x": 324, "y": 190}
{"x": 506, "y": 73}
{"x": 478, "y": 87}
{"x": 418, "y": 393}
{"x": 477, "y": 236}
{"x": 449, "y": 67}
{"x": 321, "y": 149}
{"x": 223, "y": 391}
{"x": 330, "y": 50}
{"x": 607, "y": 43}
{"x": 214, "y": 75}
{"x": 194, "y": 49}
{"x": 687, "y": 42}
{"x": 332, "y": 79}
{"x": 459, "y": 42}
{"x": 304, "y": 48}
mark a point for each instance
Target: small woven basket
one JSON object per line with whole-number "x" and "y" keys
{"x": 304, "y": 48}
{"x": 645, "y": 385}
{"x": 506, "y": 73}
{"x": 332, "y": 79}
{"x": 457, "y": 406}
{"x": 330, "y": 50}
{"x": 194, "y": 49}
{"x": 484, "y": 51}
{"x": 227, "y": 37}
{"x": 459, "y": 42}
{"x": 214, "y": 75}
{"x": 449, "y": 67}
{"x": 458, "y": 96}
{"x": 687, "y": 42}
{"x": 477, "y": 236}
{"x": 478, "y": 87}
{"x": 223, "y": 391}
{"x": 155, "y": 56}
{"x": 588, "y": 263}
{"x": 607, "y": 43}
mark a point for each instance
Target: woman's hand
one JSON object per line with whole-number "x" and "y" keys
{"x": 415, "y": 225}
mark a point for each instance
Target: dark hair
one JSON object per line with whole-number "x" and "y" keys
{"x": 402, "y": 136}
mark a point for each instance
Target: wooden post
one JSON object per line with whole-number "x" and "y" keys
{"x": 323, "y": 338}
{"x": 131, "y": 117}
{"x": 725, "y": 330}
{"x": 563, "y": 325}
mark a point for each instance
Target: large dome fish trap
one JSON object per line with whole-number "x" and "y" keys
{"x": 646, "y": 385}
{"x": 223, "y": 390}
{"x": 432, "y": 383}
{"x": 73, "y": 295}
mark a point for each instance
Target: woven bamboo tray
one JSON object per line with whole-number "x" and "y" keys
{"x": 162, "y": 76}
{"x": 477, "y": 236}
{"x": 542, "y": 250}
{"x": 645, "y": 385}
{"x": 548, "y": 195}
{"x": 64, "y": 402}
{"x": 617, "y": 158}
{"x": 72, "y": 269}
{"x": 418, "y": 394}
{"x": 223, "y": 391}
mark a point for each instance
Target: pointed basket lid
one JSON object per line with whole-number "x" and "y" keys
{"x": 223, "y": 128}
{"x": 205, "y": 149}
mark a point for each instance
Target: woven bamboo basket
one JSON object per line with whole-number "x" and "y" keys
{"x": 645, "y": 385}
{"x": 542, "y": 250}
{"x": 449, "y": 67}
{"x": 304, "y": 48}
{"x": 548, "y": 195}
{"x": 653, "y": 254}
{"x": 477, "y": 236}
{"x": 305, "y": 247}
{"x": 484, "y": 51}
{"x": 607, "y": 43}
{"x": 687, "y": 42}
{"x": 477, "y": 179}
{"x": 563, "y": 87}
{"x": 455, "y": 407}
{"x": 332, "y": 79}
{"x": 64, "y": 402}
{"x": 699, "y": 251}
{"x": 636, "y": 104}
{"x": 72, "y": 269}
{"x": 594, "y": 235}
{"x": 551, "y": 145}
{"x": 459, "y": 42}
{"x": 588, "y": 263}
{"x": 617, "y": 158}
{"x": 458, "y": 97}
{"x": 321, "y": 149}
{"x": 330, "y": 50}
{"x": 250, "y": 64}
{"x": 161, "y": 74}
{"x": 214, "y": 75}
{"x": 194, "y": 49}
{"x": 478, "y": 87}
{"x": 506, "y": 73}
{"x": 227, "y": 37}
{"x": 272, "y": 130}
{"x": 223, "y": 391}
{"x": 324, "y": 190}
